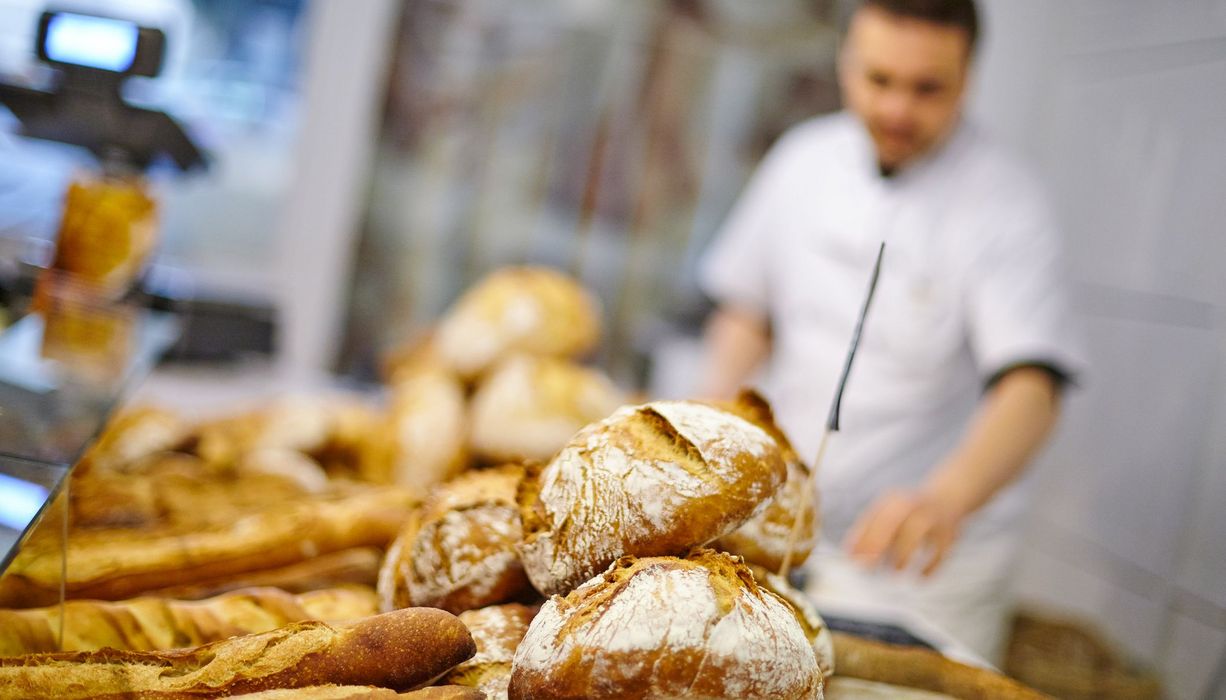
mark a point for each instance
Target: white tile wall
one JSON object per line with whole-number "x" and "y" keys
{"x": 1202, "y": 565}
{"x": 1120, "y": 103}
{"x": 1192, "y": 658}
{"x": 1132, "y": 439}
{"x": 1135, "y": 624}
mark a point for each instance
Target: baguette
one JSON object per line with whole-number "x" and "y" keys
{"x": 402, "y": 650}
{"x": 149, "y": 624}
{"x": 118, "y": 564}
{"x": 357, "y": 565}
{"x": 922, "y": 669}
{"x": 364, "y": 692}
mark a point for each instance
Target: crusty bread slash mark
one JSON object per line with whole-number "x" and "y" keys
{"x": 651, "y": 424}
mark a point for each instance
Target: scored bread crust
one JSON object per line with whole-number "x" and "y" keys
{"x": 664, "y": 627}
{"x": 401, "y": 649}
{"x": 457, "y": 551}
{"x": 650, "y": 480}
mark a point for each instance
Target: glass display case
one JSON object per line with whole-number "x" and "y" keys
{"x": 56, "y": 394}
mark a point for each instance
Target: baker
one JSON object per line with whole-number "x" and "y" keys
{"x": 968, "y": 344}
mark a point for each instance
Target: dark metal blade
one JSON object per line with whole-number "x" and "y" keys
{"x": 832, "y": 420}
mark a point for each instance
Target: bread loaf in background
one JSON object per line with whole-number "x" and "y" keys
{"x": 428, "y": 428}
{"x": 649, "y": 480}
{"x": 665, "y": 627}
{"x": 457, "y": 551}
{"x": 497, "y": 631}
{"x": 529, "y": 407}
{"x": 532, "y": 310}
{"x": 150, "y": 624}
{"x": 764, "y": 539}
{"x": 401, "y": 650}
{"x": 132, "y": 434}
{"x": 118, "y": 564}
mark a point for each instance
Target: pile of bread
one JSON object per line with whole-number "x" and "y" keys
{"x": 501, "y": 529}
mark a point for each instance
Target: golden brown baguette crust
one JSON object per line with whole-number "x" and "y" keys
{"x": 402, "y": 649}
{"x": 117, "y": 564}
{"x": 150, "y": 624}
{"x": 922, "y": 669}
{"x": 354, "y": 566}
{"x": 445, "y": 692}
{"x": 323, "y": 692}
{"x": 650, "y": 480}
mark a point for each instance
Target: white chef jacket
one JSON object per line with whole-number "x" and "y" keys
{"x": 971, "y": 284}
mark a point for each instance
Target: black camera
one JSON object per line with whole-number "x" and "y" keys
{"x": 72, "y": 41}
{"x": 94, "y": 56}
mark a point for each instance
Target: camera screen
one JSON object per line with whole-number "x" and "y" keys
{"x": 94, "y": 42}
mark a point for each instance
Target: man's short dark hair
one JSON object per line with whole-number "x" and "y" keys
{"x": 954, "y": 13}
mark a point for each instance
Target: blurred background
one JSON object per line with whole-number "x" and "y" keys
{"x": 372, "y": 158}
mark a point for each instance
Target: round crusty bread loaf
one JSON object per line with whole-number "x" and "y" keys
{"x": 497, "y": 630}
{"x": 664, "y": 627}
{"x": 528, "y": 407}
{"x": 535, "y": 310}
{"x": 814, "y": 626}
{"x": 764, "y": 539}
{"x": 457, "y": 551}
{"x": 649, "y": 480}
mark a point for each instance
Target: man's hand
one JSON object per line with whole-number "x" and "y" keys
{"x": 902, "y": 524}
{"x": 1014, "y": 419}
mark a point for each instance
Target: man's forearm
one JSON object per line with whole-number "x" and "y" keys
{"x": 1014, "y": 420}
{"x": 736, "y": 343}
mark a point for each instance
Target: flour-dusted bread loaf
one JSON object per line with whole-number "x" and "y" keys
{"x": 814, "y": 626}
{"x": 117, "y": 564}
{"x": 764, "y": 539}
{"x": 649, "y": 480}
{"x": 497, "y": 630}
{"x": 457, "y": 551}
{"x": 402, "y": 650}
{"x": 150, "y": 624}
{"x": 534, "y": 310}
{"x": 665, "y": 627}
{"x": 529, "y": 407}
{"x": 428, "y": 428}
